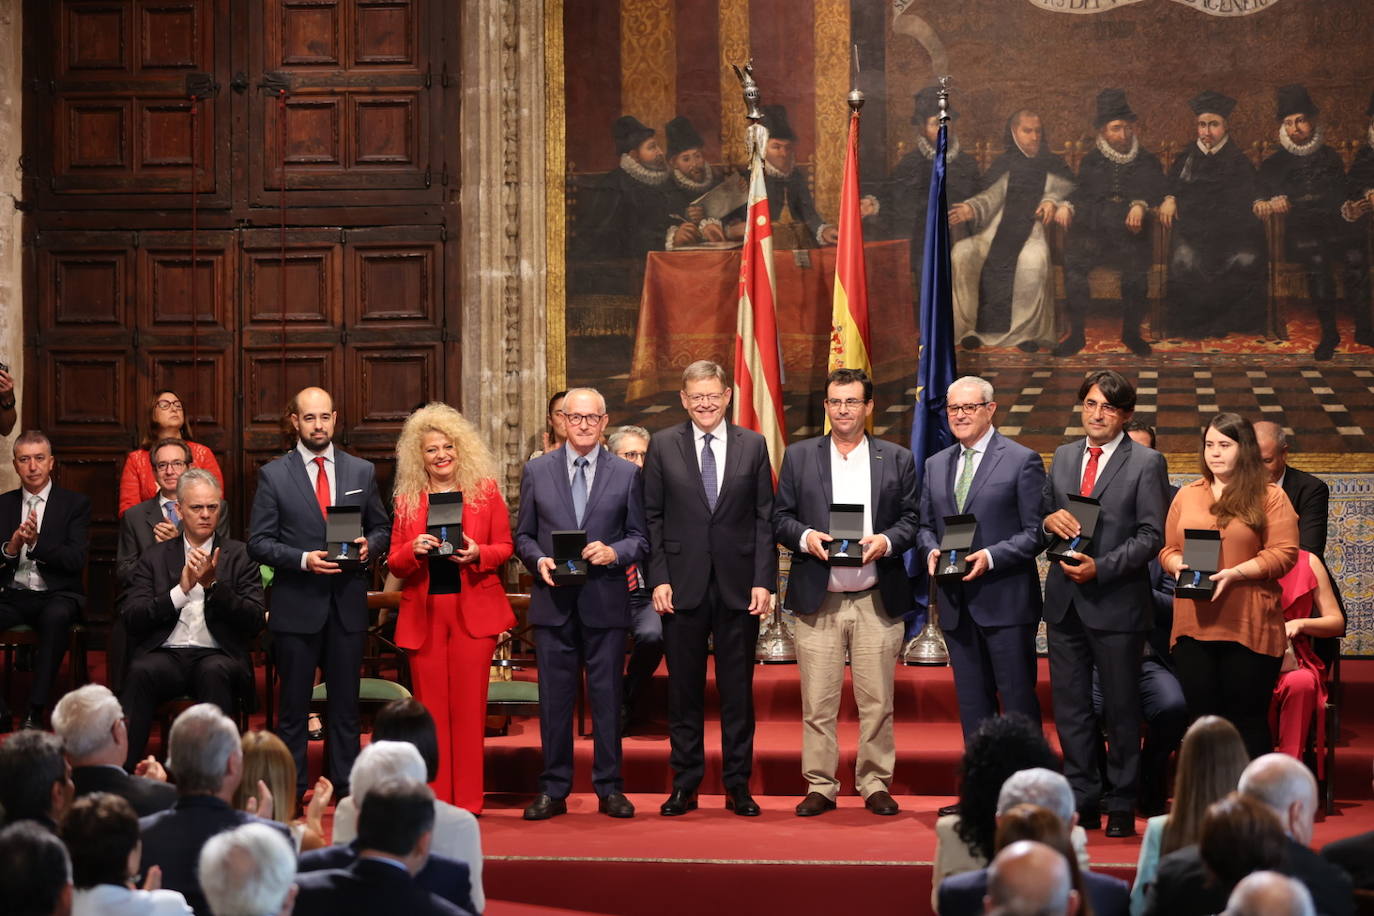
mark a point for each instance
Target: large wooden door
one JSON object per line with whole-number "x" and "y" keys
{"x": 236, "y": 199}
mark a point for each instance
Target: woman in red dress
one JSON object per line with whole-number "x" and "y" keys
{"x": 1311, "y": 611}
{"x": 166, "y": 420}
{"x": 453, "y": 606}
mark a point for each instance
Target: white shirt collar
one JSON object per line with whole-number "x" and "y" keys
{"x": 42, "y": 494}
{"x": 1108, "y": 449}
{"x": 309, "y": 456}
{"x": 858, "y": 451}
{"x": 208, "y": 546}
{"x": 572, "y": 455}
{"x": 717, "y": 432}
{"x": 981, "y": 446}
{"x": 1216, "y": 149}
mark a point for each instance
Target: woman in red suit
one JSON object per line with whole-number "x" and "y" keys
{"x": 166, "y": 420}
{"x": 452, "y": 607}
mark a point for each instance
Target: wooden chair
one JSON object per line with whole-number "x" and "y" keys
{"x": 374, "y": 690}
{"x": 24, "y": 635}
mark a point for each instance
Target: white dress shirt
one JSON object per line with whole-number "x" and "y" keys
{"x": 27, "y": 574}
{"x": 191, "y": 631}
{"x": 717, "y": 449}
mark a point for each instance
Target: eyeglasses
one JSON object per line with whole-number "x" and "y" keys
{"x": 956, "y": 410}
{"x": 583, "y": 419}
{"x": 169, "y": 465}
{"x": 696, "y": 399}
{"x": 165, "y": 404}
{"x": 1091, "y": 406}
{"x": 633, "y": 456}
{"x": 847, "y": 403}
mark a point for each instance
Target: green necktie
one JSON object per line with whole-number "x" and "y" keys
{"x": 965, "y": 479}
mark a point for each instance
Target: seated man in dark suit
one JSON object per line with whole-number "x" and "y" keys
{"x": 158, "y": 519}
{"x": 95, "y": 735}
{"x": 1310, "y": 496}
{"x": 206, "y": 759}
{"x": 249, "y": 869}
{"x": 441, "y": 876}
{"x": 394, "y": 831}
{"x": 191, "y": 610}
{"x": 42, "y": 564}
{"x": 35, "y": 780}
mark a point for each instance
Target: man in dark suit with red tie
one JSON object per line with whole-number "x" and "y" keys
{"x": 708, "y": 498}
{"x": 319, "y": 612}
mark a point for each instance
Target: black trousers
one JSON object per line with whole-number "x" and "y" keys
{"x": 1226, "y": 679}
{"x": 51, "y": 616}
{"x": 339, "y": 655}
{"x": 647, "y": 630}
{"x": 1165, "y": 711}
{"x": 1130, "y": 254}
{"x": 685, "y": 634}
{"x": 205, "y": 675}
{"x": 561, "y": 651}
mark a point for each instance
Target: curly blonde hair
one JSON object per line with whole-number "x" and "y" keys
{"x": 474, "y": 460}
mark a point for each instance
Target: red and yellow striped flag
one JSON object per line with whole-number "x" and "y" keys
{"x": 849, "y": 311}
{"x": 758, "y": 354}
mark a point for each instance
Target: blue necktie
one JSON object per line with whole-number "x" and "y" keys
{"x": 579, "y": 488}
{"x": 708, "y": 470}
{"x": 169, "y": 509}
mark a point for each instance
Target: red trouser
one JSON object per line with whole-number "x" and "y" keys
{"x": 1290, "y": 713}
{"x": 451, "y": 672}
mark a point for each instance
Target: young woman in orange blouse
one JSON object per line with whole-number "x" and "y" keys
{"x": 1228, "y": 650}
{"x": 453, "y": 606}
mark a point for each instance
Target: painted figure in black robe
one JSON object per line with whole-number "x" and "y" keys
{"x": 796, "y": 221}
{"x": 626, "y": 214}
{"x": 1217, "y": 262}
{"x": 1118, "y": 182}
{"x": 1304, "y": 180}
{"x": 692, "y": 176}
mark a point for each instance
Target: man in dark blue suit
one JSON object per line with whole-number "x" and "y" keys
{"x": 581, "y": 486}
{"x": 440, "y": 875}
{"x": 990, "y": 616}
{"x": 1099, "y": 612}
{"x": 319, "y": 613}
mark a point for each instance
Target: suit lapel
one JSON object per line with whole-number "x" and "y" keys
{"x": 558, "y": 470}
{"x": 295, "y": 469}
{"x": 54, "y": 517}
{"x": 734, "y": 445}
{"x": 1071, "y": 478}
{"x": 1120, "y": 456}
{"x": 986, "y": 467}
{"x": 176, "y": 559}
{"x": 687, "y": 442}
{"x": 603, "y": 460}
{"x": 876, "y": 467}
{"x": 823, "y": 470}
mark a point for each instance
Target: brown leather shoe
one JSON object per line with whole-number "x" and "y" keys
{"x": 882, "y": 803}
{"x": 815, "y": 803}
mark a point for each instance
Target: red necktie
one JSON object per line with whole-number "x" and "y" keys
{"x": 1090, "y": 472}
{"x": 322, "y": 487}
{"x": 632, "y": 577}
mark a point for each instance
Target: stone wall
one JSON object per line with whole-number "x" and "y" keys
{"x": 11, "y": 222}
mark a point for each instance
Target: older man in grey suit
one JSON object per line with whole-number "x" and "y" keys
{"x": 1099, "y": 611}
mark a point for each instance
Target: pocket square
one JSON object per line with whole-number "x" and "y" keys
{"x": 351, "y": 492}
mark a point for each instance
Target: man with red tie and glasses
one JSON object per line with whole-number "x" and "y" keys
{"x": 318, "y": 615}
{"x": 1099, "y": 611}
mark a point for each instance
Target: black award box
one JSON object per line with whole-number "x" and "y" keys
{"x": 846, "y": 530}
{"x": 1202, "y": 556}
{"x": 1086, "y": 511}
{"x": 445, "y": 522}
{"x": 568, "y": 566}
{"x": 342, "y": 526}
{"x": 952, "y": 564}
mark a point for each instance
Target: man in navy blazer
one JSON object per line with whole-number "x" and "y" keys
{"x": 989, "y": 617}
{"x": 440, "y": 875}
{"x": 318, "y": 612}
{"x": 42, "y": 564}
{"x": 581, "y": 486}
{"x": 855, "y": 608}
{"x": 1099, "y": 612}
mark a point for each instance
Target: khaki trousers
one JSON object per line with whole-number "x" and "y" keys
{"x": 856, "y": 621}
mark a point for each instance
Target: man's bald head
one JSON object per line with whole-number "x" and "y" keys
{"x": 1030, "y": 879}
{"x": 1273, "y": 447}
{"x": 1286, "y": 786}
{"x": 313, "y": 416}
{"x": 1268, "y": 893}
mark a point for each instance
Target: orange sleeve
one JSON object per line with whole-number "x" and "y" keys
{"x": 128, "y": 482}
{"x": 1279, "y": 552}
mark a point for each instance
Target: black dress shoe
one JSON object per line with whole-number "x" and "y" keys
{"x": 1137, "y": 344}
{"x": 882, "y": 803}
{"x": 1120, "y": 824}
{"x": 680, "y": 802}
{"x": 741, "y": 802}
{"x": 815, "y": 803}
{"x": 616, "y": 805}
{"x": 33, "y": 721}
{"x": 1090, "y": 818}
{"x": 947, "y": 810}
{"x": 1070, "y": 345}
{"x": 315, "y": 734}
{"x": 543, "y": 807}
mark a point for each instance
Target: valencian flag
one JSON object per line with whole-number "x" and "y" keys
{"x": 758, "y": 354}
{"x": 849, "y": 309}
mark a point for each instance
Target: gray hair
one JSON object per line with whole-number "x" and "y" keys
{"x": 984, "y": 386}
{"x": 198, "y": 476}
{"x": 1029, "y": 879}
{"x": 1271, "y": 430}
{"x": 613, "y": 440}
{"x": 704, "y": 369}
{"x": 246, "y": 871}
{"x": 1037, "y": 786}
{"x": 1278, "y": 781}
{"x": 203, "y": 740}
{"x": 381, "y": 761}
{"x": 83, "y": 719}
{"x": 1268, "y": 893}
{"x": 601, "y": 399}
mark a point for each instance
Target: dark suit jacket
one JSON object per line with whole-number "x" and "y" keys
{"x": 441, "y": 876}
{"x": 1162, "y": 587}
{"x": 148, "y": 796}
{"x": 1007, "y": 497}
{"x": 173, "y": 840}
{"x": 962, "y": 894}
{"x": 234, "y": 606}
{"x": 1130, "y": 532}
{"x": 614, "y": 515}
{"x": 1311, "y": 499}
{"x": 1355, "y": 854}
{"x": 136, "y": 535}
{"x": 62, "y": 541}
{"x": 803, "y": 501}
{"x": 366, "y": 888}
{"x": 1183, "y": 887}
{"x": 287, "y": 521}
{"x": 689, "y": 544}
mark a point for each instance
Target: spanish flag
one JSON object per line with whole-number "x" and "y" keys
{"x": 849, "y": 312}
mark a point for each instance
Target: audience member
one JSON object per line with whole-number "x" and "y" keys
{"x": 1268, "y": 893}
{"x": 95, "y": 735}
{"x": 34, "y": 872}
{"x": 1210, "y": 762}
{"x": 248, "y": 871}
{"x": 556, "y": 427}
{"x": 1030, "y": 879}
{"x": 646, "y": 626}
{"x": 166, "y": 420}
{"x": 1309, "y": 494}
{"x": 395, "y": 830}
{"x": 1355, "y": 854}
{"x": 206, "y": 759}
{"x": 268, "y": 764}
{"x": 1311, "y": 612}
{"x": 157, "y": 518}
{"x": 42, "y": 565}
{"x": 456, "y": 834}
{"x": 101, "y": 833}
{"x": 35, "y": 779}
